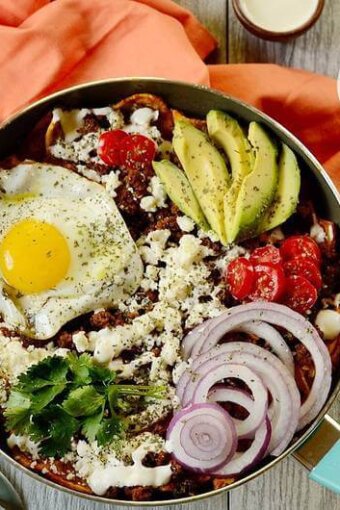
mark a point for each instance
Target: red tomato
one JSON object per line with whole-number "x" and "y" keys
{"x": 240, "y": 277}
{"x": 303, "y": 266}
{"x": 300, "y": 246}
{"x": 269, "y": 283}
{"x": 110, "y": 144}
{"x": 300, "y": 295}
{"x": 266, "y": 254}
{"x": 137, "y": 152}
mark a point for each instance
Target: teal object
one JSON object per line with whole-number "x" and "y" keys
{"x": 327, "y": 471}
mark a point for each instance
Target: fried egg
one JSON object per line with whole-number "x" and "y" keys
{"x": 65, "y": 250}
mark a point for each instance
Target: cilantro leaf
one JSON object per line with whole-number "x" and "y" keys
{"x": 83, "y": 401}
{"x": 80, "y": 368}
{"x": 47, "y": 372}
{"x": 109, "y": 428}
{"x": 91, "y": 425}
{"x": 59, "y": 427}
{"x": 17, "y": 412}
{"x": 102, "y": 375}
{"x": 60, "y": 397}
{"x": 43, "y": 397}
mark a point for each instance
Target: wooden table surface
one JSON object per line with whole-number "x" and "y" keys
{"x": 286, "y": 486}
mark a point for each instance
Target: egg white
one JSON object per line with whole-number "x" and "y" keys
{"x": 105, "y": 265}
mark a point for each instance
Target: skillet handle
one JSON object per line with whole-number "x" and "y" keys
{"x": 321, "y": 454}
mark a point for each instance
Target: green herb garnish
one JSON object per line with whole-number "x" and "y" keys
{"x": 58, "y": 397}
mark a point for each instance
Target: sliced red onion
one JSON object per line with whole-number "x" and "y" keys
{"x": 293, "y": 322}
{"x": 221, "y": 393}
{"x": 273, "y": 338}
{"x": 191, "y": 338}
{"x": 242, "y": 462}
{"x": 246, "y": 375}
{"x": 202, "y": 437}
{"x": 284, "y": 410}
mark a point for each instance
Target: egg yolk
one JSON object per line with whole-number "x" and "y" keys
{"x": 34, "y": 256}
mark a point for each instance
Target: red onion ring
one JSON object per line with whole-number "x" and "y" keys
{"x": 293, "y": 322}
{"x": 191, "y": 338}
{"x": 252, "y": 380}
{"x": 221, "y": 393}
{"x": 202, "y": 437}
{"x": 273, "y": 338}
{"x": 284, "y": 410}
{"x": 242, "y": 462}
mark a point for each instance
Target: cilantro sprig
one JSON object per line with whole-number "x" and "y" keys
{"x": 59, "y": 397}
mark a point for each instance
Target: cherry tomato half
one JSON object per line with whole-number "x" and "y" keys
{"x": 300, "y": 246}
{"x": 137, "y": 152}
{"x": 240, "y": 277}
{"x": 303, "y": 266}
{"x": 110, "y": 144}
{"x": 266, "y": 254}
{"x": 300, "y": 295}
{"x": 269, "y": 283}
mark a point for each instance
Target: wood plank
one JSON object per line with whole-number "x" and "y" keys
{"x": 317, "y": 50}
{"x": 213, "y": 14}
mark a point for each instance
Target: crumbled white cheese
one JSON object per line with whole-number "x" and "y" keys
{"x": 230, "y": 254}
{"x": 158, "y": 191}
{"x": 141, "y": 123}
{"x": 178, "y": 370}
{"x": 15, "y": 359}
{"x": 158, "y": 196}
{"x": 143, "y": 116}
{"x": 153, "y": 246}
{"x": 318, "y": 233}
{"x": 190, "y": 250}
{"x": 89, "y": 173}
{"x": 111, "y": 182}
{"x": 148, "y": 203}
{"x": 25, "y": 444}
{"x": 185, "y": 223}
{"x": 328, "y": 321}
{"x": 210, "y": 234}
{"x": 82, "y": 342}
{"x": 82, "y": 151}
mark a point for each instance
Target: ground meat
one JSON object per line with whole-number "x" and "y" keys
{"x": 138, "y": 493}
{"x": 105, "y": 318}
{"x": 8, "y": 333}
{"x": 153, "y": 459}
{"x": 90, "y": 125}
{"x": 64, "y": 340}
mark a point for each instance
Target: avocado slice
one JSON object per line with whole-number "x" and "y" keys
{"x": 287, "y": 193}
{"x": 258, "y": 188}
{"x": 227, "y": 133}
{"x": 206, "y": 170}
{"x": 179, "y": 190}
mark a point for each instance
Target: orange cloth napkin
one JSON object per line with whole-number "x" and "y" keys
{"x": 49, "y": 45}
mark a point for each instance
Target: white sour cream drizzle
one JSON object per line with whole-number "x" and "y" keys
{"x": 129, "y": 476}
{"x": 279, "y": 15}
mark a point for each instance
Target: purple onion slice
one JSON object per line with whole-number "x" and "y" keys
{"x": 202, "y": 437}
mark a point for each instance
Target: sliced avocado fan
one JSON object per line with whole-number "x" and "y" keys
{"x": 287, "y": 193}
{"x": 227, "y": 133}
{"x": 258, "y": 188}
{"x": 179, "y": 190}
{"x": 206, "y": 171}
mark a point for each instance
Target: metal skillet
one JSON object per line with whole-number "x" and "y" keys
{"x": 321, "y": 435}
